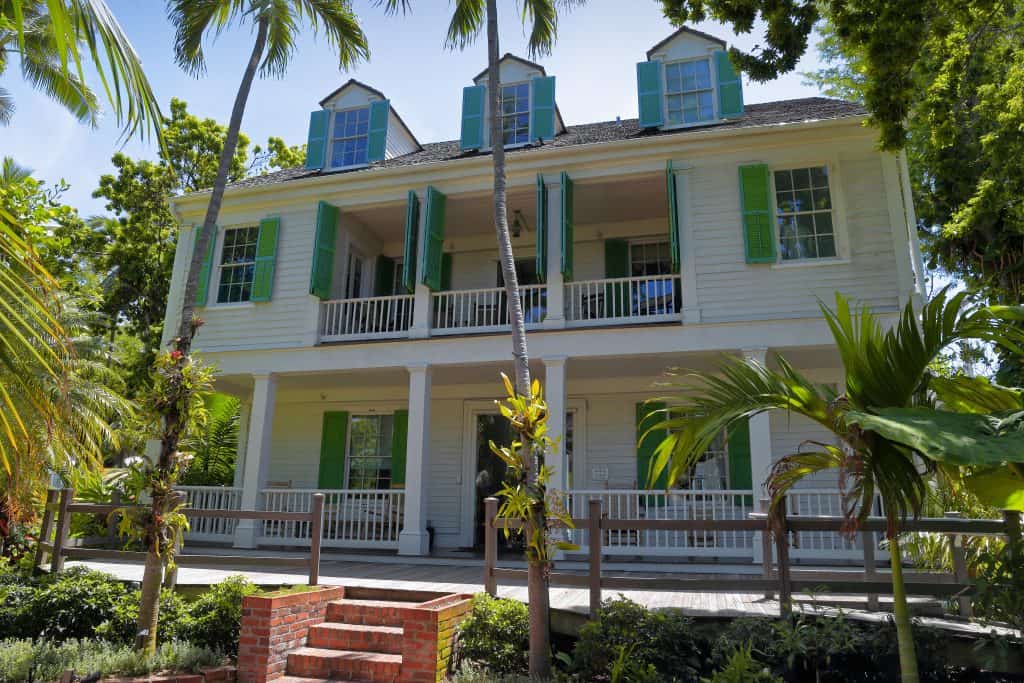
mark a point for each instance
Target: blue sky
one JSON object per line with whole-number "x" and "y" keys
{"x": 594, "y": 60}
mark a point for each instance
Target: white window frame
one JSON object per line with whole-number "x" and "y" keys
{"x": 355, "y": 254}
{"x": 529, "y": 113}
{"x": 331, "y": 138}
{"x": 715, "y": 116}
{"x": 839, "y": 225}
{"x": 650, "y": 240}
{"x": 213, "y": 288}
{"x": 348, "y": 444}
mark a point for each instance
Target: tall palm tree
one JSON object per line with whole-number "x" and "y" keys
{"x": 885, "y": 372}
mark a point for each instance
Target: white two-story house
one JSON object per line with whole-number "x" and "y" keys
{"x": 356, "y": 305}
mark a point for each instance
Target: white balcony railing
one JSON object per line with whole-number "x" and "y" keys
{"x": 353, "y": 518}
{"x": 653, "y": 298}
{"x": 676, "y": 505}
{"x": 376, "y": 317}
{"x": 825, "y": 544}
{"x": 212, "y": 498}
{"x": 484, "y": 310}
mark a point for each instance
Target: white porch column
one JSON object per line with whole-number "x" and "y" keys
{"x": 555, "y": 318}
{"x": 244, "y": 411}
{"x": 555, "y": 393}
{"x": 687, "y": 248}
{"x": 760, "y": 451}
{"x": 422, "y": 300}
{"x": 257, "y": 453}
{"x": 413, "y": 539}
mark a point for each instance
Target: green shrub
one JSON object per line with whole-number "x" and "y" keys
{"x": 71, "y": 604}
{"x": 214, "y": 618}
{"x": 639, "y": 638}
{"x": 496, "y": 635}
{"x": 123, "y": 623}
{"x": 472, "y": 674}
{"x": 741, "y": 667}
{"x": 43, "y": 660}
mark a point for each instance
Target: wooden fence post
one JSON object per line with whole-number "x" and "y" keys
{"x": 1011, "y": 522}
{"x": 595, "y": 541}
{"x": 867, "y": 539}
{"x": 115, "y": 499}
{"x": 45, "y": 529}
{"x": 490, "y": 546}
{"x": 764, "y": 506}
{"x": 316, "y": 534}
{"x": 956, "y": 554}
{"x": 780, "y": 530}
{"x": 61, "y": 537}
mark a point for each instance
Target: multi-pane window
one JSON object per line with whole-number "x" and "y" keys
{"x": 354, "y": 284}
{"x": 656, "y": 293}
{"x": 351, "y": 134}
{"x": 650, "y": 258}
{"x": 237, "y": 265}
{"x": 368, "y": 465}
{"x": 515, "y": 113}
{"x": 712, "y": 470}
{"x": 689, "y": 92}
{"x": 804, "y": 213}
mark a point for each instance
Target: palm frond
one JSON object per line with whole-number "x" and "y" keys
{"x": 542, "y": 18}
{"x": 340, "y": 26}
{"x": 192, "y": 19}
{"x": 43, "y": 72}
{"x": 468, "y": 20}
{"x": 6, "y": 107}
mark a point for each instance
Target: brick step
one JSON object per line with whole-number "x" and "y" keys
{"x": 367, "y": 612}
{"x": 323, "y": 663}
{"x": 360, "y": 637}
{"x": 304, "y": 679}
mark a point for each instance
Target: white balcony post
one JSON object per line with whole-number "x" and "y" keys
{"x": 555, "y": 318}
{"x": 311, "y": 337}
{"x": 760, "y": 448}
{"x": 413, "y": 539}
{"x": 687, "y": 256}
{"x": 555, "y": 393}
{"x": 244, "y": 411}
{"x": 257, "y": 453}
{"x": 422, "y": 296}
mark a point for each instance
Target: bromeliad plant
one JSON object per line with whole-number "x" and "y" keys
{"x": 890, "y": 431}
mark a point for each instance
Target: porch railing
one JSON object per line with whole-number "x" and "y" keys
{"x": 484, "y": 310}
{"x": 675, "y": 505}
{"x": 623, "y": 299}
{"x": 212, "y": 498}
{"x": 825, "y": 545}
{"x": 353, "y": 518}
{"x": 375, "y": 317}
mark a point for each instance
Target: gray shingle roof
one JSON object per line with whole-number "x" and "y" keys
{"x": 764, "y": 114}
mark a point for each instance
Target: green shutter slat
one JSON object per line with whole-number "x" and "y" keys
{"x": 646, "y": 447}
{"x": 316, "y": 141}
{"x": 323, "y": 250}
{"x": 472, "y": 117}
{"x": 673, "y": 216}
{"x": 206, "y": 270}
{"x": 333, "y": 444}
{"x": 616, "y": 264}
{"x": 738, "y": 448}
{"x": 376, "y": 144}
{"x": 412, "y": 226}
{"x": 542, "y": 108}
{"x": 446, "y": 271}
{"x": 385, "y": 284}
{"x": 266, "y": 256}
{"x": 399, "y": 445}
{"x": 730, "y": 86}
{"x": 567, "y": 226}
{"x": 648, "y": 88}
{"x": 542, "y": 229}
{"x": 756, "y": 204}
{"x": 433, "y": 243}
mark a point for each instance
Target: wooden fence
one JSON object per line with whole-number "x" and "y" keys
{"x": 53, "y": 546}
{"x": 778, "y": 575}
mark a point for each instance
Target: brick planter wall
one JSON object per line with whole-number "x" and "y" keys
{"x": 429, "y": 636}
{"x": 272, "y": 626}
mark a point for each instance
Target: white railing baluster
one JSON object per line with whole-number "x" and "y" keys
{"x": 649, "y": 298}
{"x": 352, "y": 518}
{"x": 366, "y": 318}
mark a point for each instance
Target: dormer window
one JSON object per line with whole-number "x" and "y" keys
{"x": 350, "y": 140}
{"x": 688, "y": 92}
{"x": 515, "y": 113}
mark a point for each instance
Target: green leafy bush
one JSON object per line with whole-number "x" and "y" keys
{"x": 214, "y": 618}
{"x": 741, "y": 667}
{"x": 45, "y": 660}
{"x": 122, "y": 626}
{"x": 496, "y": 635}
{"x": 626, "y": 634}
{"x": 71, "y": 604}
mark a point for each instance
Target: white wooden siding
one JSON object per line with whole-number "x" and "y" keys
{"x": 789, "y": 434}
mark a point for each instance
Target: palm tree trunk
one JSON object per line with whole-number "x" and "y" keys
{"x": 149, "y": 603}
{"x": 217, "y": 196}
{"x": 901, "y": 615}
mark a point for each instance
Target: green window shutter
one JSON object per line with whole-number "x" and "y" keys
{"x": 738, "y": 447}
{"x": 756, "y": 203}
{"x": 567, "y": 225}
{"x": 316, "y": 142}
{"x": 333, "y": 445}
{"x": 646, "y": 447}
{"x": 376, "y": 144}
{"x": 385, "y": 285}
{"x": 266, "y": 256}
{"x": 542, "y": 108}
{"x": 648, "y": 87}
{"x": 323, "y": 250}
{"x": 542, "y": 229}
{"x": 673, "y": 216}
{"x": 472, "y": 117}
{"x": 433, "y": 244}
{"x": 730, "y": 87}
{"x": 399, "y": 443}
{"x": 206, "y": 270}
{"x": 412, "y": 227}
{"x": 446, "y": 271}
{"x": 616, "y": 264}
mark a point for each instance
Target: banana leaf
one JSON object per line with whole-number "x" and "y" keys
{"x": 975, "y": 395}
{"x": 1000, "y": 488}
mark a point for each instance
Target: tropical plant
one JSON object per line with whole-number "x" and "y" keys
{"x": 875, "y": 450}
{"x": 215, "y": 444}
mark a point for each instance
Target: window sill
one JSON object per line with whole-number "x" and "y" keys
{"x": 234, "y": 304}
{"x": 695, "y": 124}
{"x": 336, "y": 169}
{"x": 810, "y": 263}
